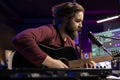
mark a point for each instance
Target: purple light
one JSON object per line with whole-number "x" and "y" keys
{"x": 117, "y": 44}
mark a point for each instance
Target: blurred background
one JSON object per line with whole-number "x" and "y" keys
{"x": 17, "y": 15}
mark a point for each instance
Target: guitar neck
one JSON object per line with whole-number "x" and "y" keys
{"x": 80, "y": 63}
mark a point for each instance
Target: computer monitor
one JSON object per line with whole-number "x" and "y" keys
{"x": 110, "y": 40}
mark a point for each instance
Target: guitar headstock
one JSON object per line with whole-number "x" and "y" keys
{"x": 115, "y": 53}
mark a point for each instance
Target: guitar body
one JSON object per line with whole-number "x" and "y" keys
{"x": 64, "y": 52}
{"x": 68, "y": 53}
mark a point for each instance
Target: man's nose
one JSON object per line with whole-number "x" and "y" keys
{"x": 80, "y": 25}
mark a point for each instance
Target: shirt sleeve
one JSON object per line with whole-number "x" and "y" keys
{"x": 27, "y": 41}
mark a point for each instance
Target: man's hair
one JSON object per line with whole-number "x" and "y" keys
{"x": 67, "y": 9}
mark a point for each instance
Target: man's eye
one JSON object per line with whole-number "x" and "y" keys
{"x": 78, "y": 21}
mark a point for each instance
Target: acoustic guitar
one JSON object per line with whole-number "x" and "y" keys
{"x": 66, "y": 54}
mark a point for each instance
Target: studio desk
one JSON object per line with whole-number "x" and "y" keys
{"x": 54, "y": 74}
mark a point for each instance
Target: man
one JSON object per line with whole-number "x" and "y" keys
{"x": 67, "y": 22}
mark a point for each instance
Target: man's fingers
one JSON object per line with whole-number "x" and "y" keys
{"x": 91, "y": 64}
{"x": 64, "y": 65}
{"x": 86, "y": 65}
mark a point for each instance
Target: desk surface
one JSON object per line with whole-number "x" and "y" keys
{"x": 83, "y": 74}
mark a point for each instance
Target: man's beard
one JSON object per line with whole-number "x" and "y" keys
{"x": 73, "y": 33}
